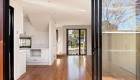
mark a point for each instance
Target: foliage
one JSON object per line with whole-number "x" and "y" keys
{"x": 81, "y": 45}
{"x": 74, "y": 41}
{"x": 108, "y": 26}
{"x": 117, "y": 12}
{"x": 75, "y": 32}
{"x": 72, "y": 46}
{"x": 138, "y": 25}
{"x": 82, "y": 32}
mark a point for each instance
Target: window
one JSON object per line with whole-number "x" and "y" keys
{"x": 25, "y": 42}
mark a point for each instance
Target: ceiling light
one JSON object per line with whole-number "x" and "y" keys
{"x": 83, "y": 10}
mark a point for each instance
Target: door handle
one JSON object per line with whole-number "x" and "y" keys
{"x": 93, "y": 49}
{"x": 93, "y": 53}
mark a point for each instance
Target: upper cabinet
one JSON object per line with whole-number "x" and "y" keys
{"x": 28, "y": 28}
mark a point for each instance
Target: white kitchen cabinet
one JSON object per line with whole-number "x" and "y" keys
{"x": 27, "y": 53}
{"x": 35, "y": 59}
{"x": 44, "y": 55}
{"x": 20, "y": 63}
{"x": 28, "y": 29}
{"x": 27, "y": 59}
{"x": 37, "y": 56}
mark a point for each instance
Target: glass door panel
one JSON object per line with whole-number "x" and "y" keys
{"x": 120, "y": 39}
{"x": 76, "y": 42}
{"x": 73, "y": 42}
{"x": 83, "y": 44}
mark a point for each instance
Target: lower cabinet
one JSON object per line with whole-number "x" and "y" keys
{"x": 44, "y": 56}
{"x": 43, "y": 59}
{"x": 27, "y": 59}
{"x": 35, "y": 59}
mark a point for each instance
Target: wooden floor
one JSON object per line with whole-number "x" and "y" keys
{"x": 64, "y": 68}
{"x": 74, "y": 68}
{"x": 113, "y": 72}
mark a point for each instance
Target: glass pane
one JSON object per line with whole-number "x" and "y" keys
{"x": 83, "y": 44}
{"x": 25, "y": 42}
{"x": 73, "y": 42}
{"x": 120, "y": 39}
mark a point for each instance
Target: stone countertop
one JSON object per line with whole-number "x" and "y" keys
{"x": 39, "y": 48}
{"x": 21, "y": 51}
{"x": 31, "y": 48}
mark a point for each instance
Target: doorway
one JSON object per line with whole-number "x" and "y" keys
{"x": 76, "y": 42}
{"x": 57, "y": 42}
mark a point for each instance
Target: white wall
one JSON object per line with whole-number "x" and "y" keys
{"x": 36, "y": 26}
{"x": 40, "y": 40}
{"x": 52, "y": 40}
{"x": 18, "y": 29}
{"x": 60, "y": 39}
{"x": 120, "y": 49}
{"x": 62, "y": 36}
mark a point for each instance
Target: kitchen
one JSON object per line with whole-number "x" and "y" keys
{"x": 37, "y": 43}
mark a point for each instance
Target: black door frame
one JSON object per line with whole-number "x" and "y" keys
{"x": 11, "y": 43}
{"x": 8, "y": 41}
{"x": 96, "y": 39}
{"x": 79, "y": 40}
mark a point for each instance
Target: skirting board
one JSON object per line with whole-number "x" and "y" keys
{"x": 37, "y": 63}
{"x": 52, "y": 61}
{"x": 61, "y": 53}
{"x": 18, "y": 76}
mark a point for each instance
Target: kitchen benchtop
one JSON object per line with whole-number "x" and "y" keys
{"x": 39, "y": 48}
{"x": 22, "y": 51}
{"x": 32, "y": 48}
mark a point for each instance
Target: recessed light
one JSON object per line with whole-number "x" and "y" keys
{"x": 83, "y": 10}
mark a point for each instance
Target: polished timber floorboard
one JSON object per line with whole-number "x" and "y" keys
{"x": 74, "y": 68}
{"x": 64, "y": 68}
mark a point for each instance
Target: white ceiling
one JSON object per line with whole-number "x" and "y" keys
{"x": 64, "y": 12}
{"x": 39, "y": 20}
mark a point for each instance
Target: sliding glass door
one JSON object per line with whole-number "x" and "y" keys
{"x": 116, "y": 40}
{"x": 120, "y": 39}
{"x": 76, "y": 42}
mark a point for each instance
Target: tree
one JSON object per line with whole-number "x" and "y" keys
{"x": 108, "y": 26}
{"x": 82, "y": 32}
{"x": 74, "y": 41}
{"x": 116, "y": 12}
{"x": 138, "y": 26}
{"x": 75, "y": 32}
